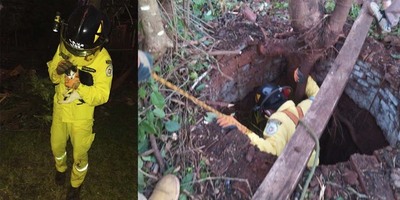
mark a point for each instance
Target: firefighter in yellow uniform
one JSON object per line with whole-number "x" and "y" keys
{"x": 283, "y": 116}
{"x": 81, "y": 70}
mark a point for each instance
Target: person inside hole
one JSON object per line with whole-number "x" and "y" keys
{"x": 282, "y": 114}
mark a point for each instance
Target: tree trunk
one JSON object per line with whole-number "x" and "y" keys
{"x": 304, "y": 14}
{"x": 314, "y": 34}
{"x": 156, "y": 41}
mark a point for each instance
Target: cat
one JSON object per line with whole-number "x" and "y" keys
{"x": 70, "y": 94}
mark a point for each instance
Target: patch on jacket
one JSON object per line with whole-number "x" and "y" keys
{"x": 88, "y": 69}
{"x": 272, "y": 127}
{"x": 109, "y": 70}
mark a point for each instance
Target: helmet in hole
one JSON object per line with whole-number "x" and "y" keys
{"x": 270, "y": 97}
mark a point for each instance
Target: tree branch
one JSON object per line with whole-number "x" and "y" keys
{"x": 339, "y": 15}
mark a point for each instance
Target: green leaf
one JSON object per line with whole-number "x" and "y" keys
{"x": 147, "y": 127}
{"x": 187, "y": 182}
{"x": 182, "y": 197}
{"x": 143, "y": 146}
{"x": 210, "y": 117}
{"x": 143, "y": 143}
{"x": 199, "y": 2}
{"x": 150, "y": 117}
{"x": 175, "y": 118}
{"x": 207, "y": 42}
{"x": 157, "y": 99}
{"x": 208, "y": 16}
{"x": 203, "y": 175}
{"x": 187, "y": 179}
{"x": 148, "y": 158}
{"x": 140, "y": 163}
{"x": 172, "y": 126}
{"x": 157, "y": 68}
{"x": 141, "y": 182}
{"x": 200, "y": 87}
{"x": 159, "y": 113}
{"x": 395, "y": 56}
{"x": 193, "y": 75}
{"x": 141, "y": 134}
{"x": 142, "y": 93}
{"x": 153, "y": 85}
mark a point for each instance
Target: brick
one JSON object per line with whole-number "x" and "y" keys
{"x": 358, "y": 74}
{"x": 372, "y": 81}
{"x": 392, "y": 98}
{"x": 362, "y": 82}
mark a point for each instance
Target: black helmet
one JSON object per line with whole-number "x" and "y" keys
{"x": 271, "y": 97}
{"x": 86, "y": 31}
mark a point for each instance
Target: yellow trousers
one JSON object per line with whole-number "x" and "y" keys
{"x": 82, "y": 136}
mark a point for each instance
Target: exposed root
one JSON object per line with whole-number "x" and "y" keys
{"x": 350, "y": 128}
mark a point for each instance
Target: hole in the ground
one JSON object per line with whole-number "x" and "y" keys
{"x": 350, "y": 130}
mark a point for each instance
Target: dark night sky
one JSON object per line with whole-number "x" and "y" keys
{"x": 26, "y": 31}
{"x": 26, "y": 35}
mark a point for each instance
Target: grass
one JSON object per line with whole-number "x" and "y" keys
{"x": 27, "y": 167}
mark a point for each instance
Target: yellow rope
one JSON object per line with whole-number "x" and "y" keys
{"x": 195, "y": 100}
{"x": 186, "y": 94}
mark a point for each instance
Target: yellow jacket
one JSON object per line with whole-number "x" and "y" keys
{"x": 94, "y": 92}
{"x": 280, "y": 128}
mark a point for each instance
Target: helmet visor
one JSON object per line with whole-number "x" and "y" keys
{"x": 73, "y": 48}
{"x": 67, "y": 54}
{"x": 76, "y": 48}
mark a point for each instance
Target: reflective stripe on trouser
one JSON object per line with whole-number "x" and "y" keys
{"x": 81, "y": 138}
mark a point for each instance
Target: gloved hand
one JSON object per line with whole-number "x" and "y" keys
{"x": 228, "y": 121}
{"x": 72, "y": 83}
{"x": 299, "y": 76}
{"x": 63, "y": 66}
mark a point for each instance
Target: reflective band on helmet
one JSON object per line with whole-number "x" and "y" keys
{"x": 82, "y": 169}
{"x": 97, "y": 33}
{"x": 61, "y": 157}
